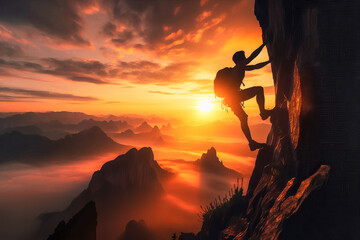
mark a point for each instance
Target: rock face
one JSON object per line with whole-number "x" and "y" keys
{"x": 81, "y": 226}
{"x": 122, "y": 188}
{"x": 305, "y": 185}
{"x": 315, "y": 64}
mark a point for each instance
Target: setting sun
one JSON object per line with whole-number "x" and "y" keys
{"x": 205, "y": 106}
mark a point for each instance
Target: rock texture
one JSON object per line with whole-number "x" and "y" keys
{"x": 315, "y": 62}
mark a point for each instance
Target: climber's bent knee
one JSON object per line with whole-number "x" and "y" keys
{"x": 240, "y": 113}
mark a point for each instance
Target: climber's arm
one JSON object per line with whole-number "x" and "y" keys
{"x": 255, "y": 54}
{"x": 256, "y": 66}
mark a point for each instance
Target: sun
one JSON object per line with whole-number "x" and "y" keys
{"x": 205, "y": 106}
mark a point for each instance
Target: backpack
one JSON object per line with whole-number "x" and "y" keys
{"x": 224, "y": 83}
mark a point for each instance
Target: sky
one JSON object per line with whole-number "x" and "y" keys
{"x": 155, "y": 57}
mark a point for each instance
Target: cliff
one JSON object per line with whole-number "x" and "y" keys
{"x": 305, "y": 184}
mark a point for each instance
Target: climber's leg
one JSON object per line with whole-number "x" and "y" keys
{"x": 260, "y": 99}
{"x": 235, "y": 106}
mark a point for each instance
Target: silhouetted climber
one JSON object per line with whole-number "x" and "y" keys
{"x": 227, "y": 86}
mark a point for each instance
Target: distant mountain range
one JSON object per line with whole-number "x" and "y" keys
{"x": 36, "y": 149}
{"x": 152, "y": 136}
{"x": 120, "y": 189}
{"x": 8, "y": 120}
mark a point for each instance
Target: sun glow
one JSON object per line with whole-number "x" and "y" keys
{"x": 205, "y": 106}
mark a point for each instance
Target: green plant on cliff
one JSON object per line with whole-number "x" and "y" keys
{"x": 219, "y": 213}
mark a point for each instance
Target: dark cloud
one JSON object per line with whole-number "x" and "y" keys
{"x": 92, "y": 71}
{"x": 74, "y": 70}
{"x": 122, "y": 38}
{"x": 36, "y": 94}
{"x": 109, "y": 29}
{"x": 57, "y": 18}
{"x": 145, "y": 72}
{"x": 119, "y": 37}
{"x": 162, "y": 92}
{"x": 87, "y": 79}
{"x": 10, "y": 50}
{"x": 138, "y": 65}
{"x": 8, "y": 98}
{"x": 70, "y": 66}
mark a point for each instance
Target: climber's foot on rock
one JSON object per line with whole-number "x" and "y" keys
{"x": 255, "y": 145}
{"x": 265, "y": 114}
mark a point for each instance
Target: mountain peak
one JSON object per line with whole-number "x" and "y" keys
{"x": 210, "y": 156}
{"x": 134, "y": 168}
{"x": 209, "y": 162}
{"x": 143, "y": 127}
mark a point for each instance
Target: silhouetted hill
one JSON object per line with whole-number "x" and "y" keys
{"x": 209, "y": 162}
{"x": 137, "y": 230}
{"x": 16, "y": 146}
{"x": 167, "y": 128}
{"x": 31, "y": 118}
{"x": 143, "y": 127}
{"x": 127, "y": 134}
{"x": 121, "y": 189}
{"x": 23, "y": 129}
{"x": 81, "y": 226}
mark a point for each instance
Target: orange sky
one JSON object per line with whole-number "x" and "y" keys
{"x": 125, "y": 56}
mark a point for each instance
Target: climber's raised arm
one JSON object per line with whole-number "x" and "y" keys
{"x": 256, "y": 66}
{"x": 255, "y": 54}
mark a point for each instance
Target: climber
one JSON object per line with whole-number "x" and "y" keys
{"x": 227, "y": 86}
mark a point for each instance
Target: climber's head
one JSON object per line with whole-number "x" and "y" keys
{"x": 238, "y": 57}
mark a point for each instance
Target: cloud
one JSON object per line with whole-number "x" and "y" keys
{"x": 59, "y": 19}
{"x": 144, "y": 72}
{"x": 118, "y": 36}
{"x": 138, "y": 65}
{"x": 162, "y": 92}
{"x": 169, "y": 27}
{"x": 75, "y": 70}
{"x": 10, "y": 50}
{"x": 20, "y": 93}
{"x": 93, "y": 71}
